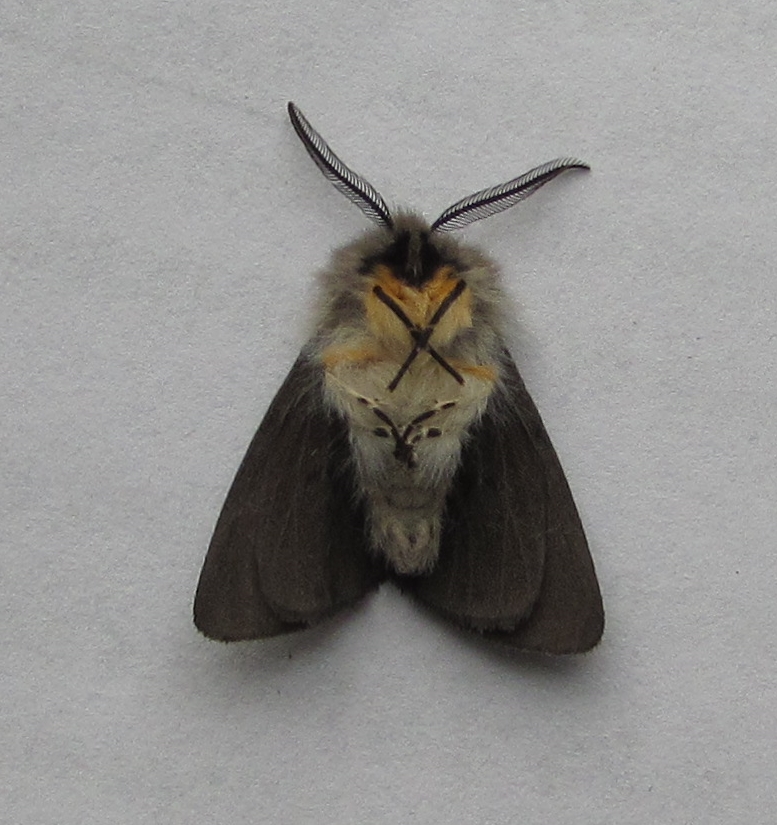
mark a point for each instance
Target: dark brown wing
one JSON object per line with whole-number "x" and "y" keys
{"x": 514, "y": 561}
{"x": 289, "y": 547}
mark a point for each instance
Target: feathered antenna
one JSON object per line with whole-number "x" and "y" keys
{"x": 345, "y": 180}
{"x": 488, "y": 202}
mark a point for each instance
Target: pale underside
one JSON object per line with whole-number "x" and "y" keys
{"x": 405, "y": 470}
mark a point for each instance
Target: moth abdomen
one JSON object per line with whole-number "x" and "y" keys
{"x": 405, "y": 525}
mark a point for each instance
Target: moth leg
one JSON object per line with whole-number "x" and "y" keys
{"x": 337, "y": 356}
{"x": 363, "y": 400}
{"x": 482, "y": 372}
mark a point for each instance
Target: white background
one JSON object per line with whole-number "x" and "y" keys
{"x": 161, "y": 227}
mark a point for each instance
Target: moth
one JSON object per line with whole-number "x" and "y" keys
{"x": 403, "y": 445}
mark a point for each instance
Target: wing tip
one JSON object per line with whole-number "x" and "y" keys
{"x": 578, "y": 635}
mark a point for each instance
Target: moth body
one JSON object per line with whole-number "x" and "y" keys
{"x": 399, "y": 296}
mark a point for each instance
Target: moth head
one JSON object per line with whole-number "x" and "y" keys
{"x": 413, "y": 244}
{"x": 410, "y": 251}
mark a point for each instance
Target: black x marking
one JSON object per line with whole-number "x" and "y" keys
{"x": 421, "y": 335}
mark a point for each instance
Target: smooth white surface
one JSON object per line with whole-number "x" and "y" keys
{"x": 161, "y": 227}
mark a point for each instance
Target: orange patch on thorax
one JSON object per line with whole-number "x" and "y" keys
{"x": 419, "y": 305}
